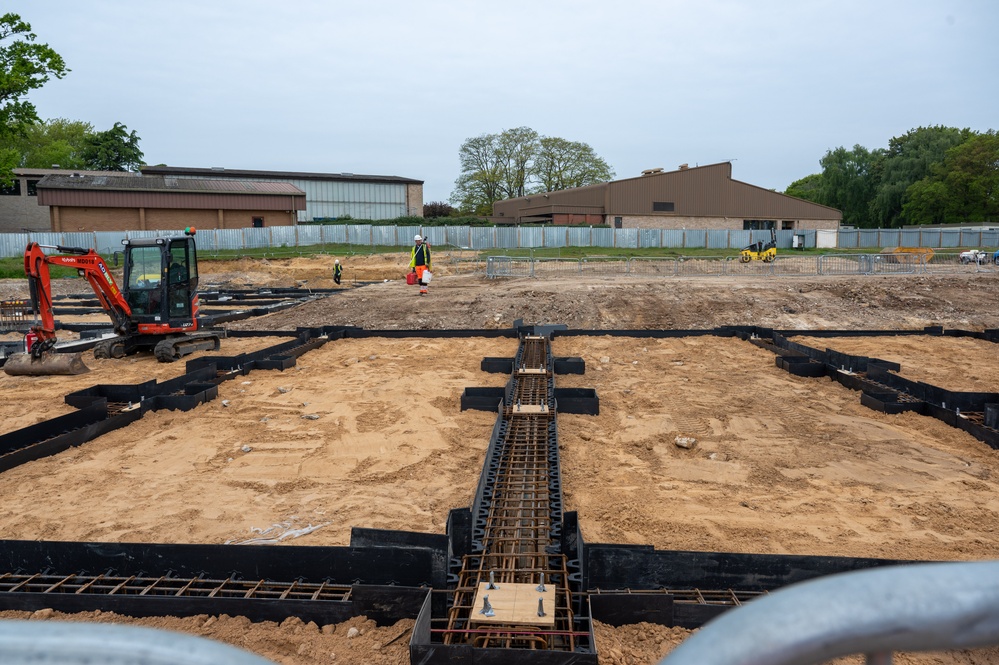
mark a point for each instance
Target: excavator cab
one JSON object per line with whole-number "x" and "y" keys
{"x": 161, "y": 276}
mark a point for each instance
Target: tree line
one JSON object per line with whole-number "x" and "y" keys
{"x": 929, "y": 175}
{"x": 28, "y": 142}
{"x": 517, "y": 162}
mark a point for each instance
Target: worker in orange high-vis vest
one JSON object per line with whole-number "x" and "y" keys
{"x": 419, "y": 261}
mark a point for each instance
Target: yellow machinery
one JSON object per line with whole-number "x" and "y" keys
{"x": 760, "y": 251}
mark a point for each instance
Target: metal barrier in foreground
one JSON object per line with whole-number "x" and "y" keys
{"x": 922, "y": 607}
{"x": 71, "y": 643}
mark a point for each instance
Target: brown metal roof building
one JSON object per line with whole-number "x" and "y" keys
{"x": 704, "y": 197}
{"x": 82, "y": 202}
{"x": 327, "y": 195}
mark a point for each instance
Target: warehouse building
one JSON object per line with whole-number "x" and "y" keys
{"x": 126, "y": 202}
{"x": 703, "y": 197}
{"x": 327, "y": 195}
{"x": 19, "y": 209}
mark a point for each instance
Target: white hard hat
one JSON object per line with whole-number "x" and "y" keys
{"x": 417, "y": 237}
{"x": 336, "y": 261}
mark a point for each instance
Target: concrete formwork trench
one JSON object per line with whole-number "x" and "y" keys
{"x": 353, "y": 452}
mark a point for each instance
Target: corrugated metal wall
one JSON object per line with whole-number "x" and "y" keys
{"x": 503, "y": 237}
{"x": 336, "y": 198}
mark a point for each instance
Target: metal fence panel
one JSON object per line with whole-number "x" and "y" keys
{"x": 555, "y": 267}
{"x": 950, "y": 238}
{"x": 672, "y": 238}
{"x": 649, "y": 238}
{"x": 531, "y": 237}
{"x": 555, "y": 236}
{"x": 702, "y": 265}
{"x": 718, "y": 239}
{"x": 13, "y": 244}
{"x": 930, "y": 238}
{"x": 652, "y": 267}
{"x": 796, "y": 265}
{"x": 910, "y": 238}
{"x": 695, "y": 238}
{"x": 602, "y": 238}
{"x": 385, "y": 236}
{"x": 604, "y": 266}
{"x": 626, "y": 238}
{"x": 848, "y": 239}
{"x": 990, "y": 238}
{"x": 310, "y": 235}
{"x": 506, "y": 237}
{"x": 482, "y": 238}
{"x": 229, "y": 238}
{"x": 283, "y": 236}
{"x": 971, "y": 239}
{"x": 845, "y": 264}
{"x": 459, "y": 236}
{"x": 334, "y": 234}
{"x": 578, "y": 236}
{"x": 359, "y": 234}
{"x": 740, "y": 239}
{"x": 895, "y": 264}
{"x": 505, "y": 266}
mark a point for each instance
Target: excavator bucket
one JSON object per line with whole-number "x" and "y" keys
{"x": 50, "y": 364}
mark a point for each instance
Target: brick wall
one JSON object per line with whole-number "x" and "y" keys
{"x": 19, "y": 212}
{"x": 414, "y": 200}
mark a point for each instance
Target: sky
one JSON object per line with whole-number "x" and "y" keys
{"x": 393, "y": 87}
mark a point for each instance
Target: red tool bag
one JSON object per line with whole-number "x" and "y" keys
{"x": 411, "y": 278}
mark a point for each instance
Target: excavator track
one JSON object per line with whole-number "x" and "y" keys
{"x": 174, "y": 348}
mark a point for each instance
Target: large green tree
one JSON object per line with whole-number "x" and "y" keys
{"x": 519, "y": 161}
{"x": 562, "y": 164}
{"x": 54, "y": 142}
{"x": 963, "y": 188}
{"x": 848, "y": 183}
{"x": 113, "y": 150}
{"x": 24, "y": 66}
{"x": 909, "y": 159}
{"x": 808, "y": 188}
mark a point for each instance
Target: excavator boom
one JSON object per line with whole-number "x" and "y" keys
{"x": 43, "y": 360}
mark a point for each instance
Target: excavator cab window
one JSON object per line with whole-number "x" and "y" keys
{"x": 144, "y": 274}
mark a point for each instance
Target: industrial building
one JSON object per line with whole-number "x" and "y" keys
{"x": 327, "y": 195}
{"x": 19, "y": 208}
{"x": 702, "y": 197}
{"x": 122, "y": 202}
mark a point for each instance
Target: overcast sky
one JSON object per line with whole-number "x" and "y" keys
{"x": 393, "y": 87}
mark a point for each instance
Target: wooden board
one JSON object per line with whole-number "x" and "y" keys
{"x": 514, "y": 604}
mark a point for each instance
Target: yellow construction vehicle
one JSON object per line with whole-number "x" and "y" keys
{"x": 760, "y": 251}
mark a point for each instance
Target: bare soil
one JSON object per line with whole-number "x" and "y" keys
{"x": 781, "y": 464}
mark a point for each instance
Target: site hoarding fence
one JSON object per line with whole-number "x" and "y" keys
{"x": 364, "y": 237}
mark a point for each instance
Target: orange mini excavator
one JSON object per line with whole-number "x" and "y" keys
{"x": 156, "y": 310}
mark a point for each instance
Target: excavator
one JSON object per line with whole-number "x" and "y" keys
{"x": 760, "y": 251}
{"x": 156, "y": 310}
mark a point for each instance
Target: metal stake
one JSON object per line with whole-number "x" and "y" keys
{"x": 487, "y": 609}
{"x": 541, "y": 607}
{"x": 541, "y": 587}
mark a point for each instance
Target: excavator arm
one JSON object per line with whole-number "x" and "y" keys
{"x": 90, "y": 266}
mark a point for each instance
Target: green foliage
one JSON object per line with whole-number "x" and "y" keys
{"x": 808, "y": 188}
{"x": 562, "y": 164}
{"x": 517, "y": 162}
{"x": 113, "y": 150}
{"x": 24, "y": 66}
{"x": 57, "y": 141}
{"x": 909, "y": 158}
{"x": 964, "y": 187}
{"x": 847, "y": 183}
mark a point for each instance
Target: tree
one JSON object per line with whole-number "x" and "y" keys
{"x": 112, "y": 150}
{"x": 434, "y": 209}
{"x": 808, "y": 188}
{"x": 847, "y": 183}
{"x": 58, "y": 141}
{"x": 562, "y": 164}
{"x": 517, "y": 162}
{"x": 24, "y": 66}
{"x": 909, "y": 158}
{"x": 964, "y": 187}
